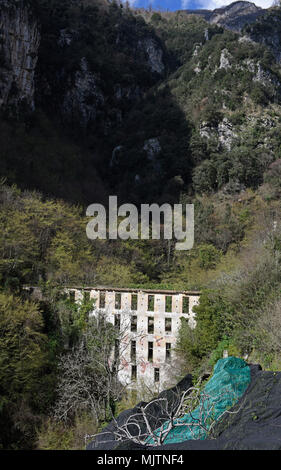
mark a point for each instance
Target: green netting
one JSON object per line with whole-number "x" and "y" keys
{"x": 230, "y": 379}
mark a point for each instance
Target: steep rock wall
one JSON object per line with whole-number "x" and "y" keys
{"x": 19, "y": 43}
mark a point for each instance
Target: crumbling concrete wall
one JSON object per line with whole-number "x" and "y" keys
{"x": 150, "y": 372}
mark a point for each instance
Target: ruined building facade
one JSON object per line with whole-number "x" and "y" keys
{"x": 148, "y": 321}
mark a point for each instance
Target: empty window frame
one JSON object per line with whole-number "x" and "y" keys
{"x": 102, "y": 300}
{"x": 185, "y": 304}
{"x": 168, "y": 303}
{"x": 134, "y": 302}
{"x": 150, "y": 305}
{"x": 133, "y": 351}
{"x": 168, "y": 325}
{"x": 117, "y": 348}
{"x": 134, "y": 323}
{"x": 134, "y": 372}
{"x": 150, "y": 325}
{"x": 86, "y": 296}
{"x": 117, "y": 321}
{"x": 168, "y": 351}
{"x": 118, "y": 301}
{"x": 156, "y": 374}
{"x": 150, "y": 351}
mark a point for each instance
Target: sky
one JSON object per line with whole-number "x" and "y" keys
{"x": 192, "y": 4}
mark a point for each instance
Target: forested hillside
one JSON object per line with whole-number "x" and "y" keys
{"x": 97, "y": 99}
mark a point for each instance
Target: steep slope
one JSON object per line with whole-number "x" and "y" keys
{"x": 228, "y": 90}
{"x": 142, "y": 104}
{"x": 266, "y": 30}
{"x": 69, "y": 74}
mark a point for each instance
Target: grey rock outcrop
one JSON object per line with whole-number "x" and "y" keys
{"x": 223, "y": 132}
{"x": 226, "y": 134}
{"x": 225, "y": 59}
{"x": 84, "y": 98}
{"x": 264, "y": 77}
{"x": 154, "y": 54}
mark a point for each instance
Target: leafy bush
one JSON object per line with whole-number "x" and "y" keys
{"x": 204, "y": 177}
{"x": 209, "y": 256}
{"x": 195, "y": 344}
{"x": 23, "y": 371}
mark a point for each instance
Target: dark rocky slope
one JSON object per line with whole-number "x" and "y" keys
{"x": 96, "y": 98}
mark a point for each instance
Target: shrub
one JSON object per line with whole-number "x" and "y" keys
{"x": 205, "y": 177}
{"x": 209, "y": 256}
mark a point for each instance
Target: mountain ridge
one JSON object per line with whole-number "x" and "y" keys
{"x": 233, "y": 17}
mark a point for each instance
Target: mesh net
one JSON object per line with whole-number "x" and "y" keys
{"x": 228, "y": 383}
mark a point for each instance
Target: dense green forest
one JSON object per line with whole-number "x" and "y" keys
{"x": 153, "y": 107}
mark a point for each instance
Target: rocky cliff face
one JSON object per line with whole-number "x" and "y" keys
{"x": 19, "y": 42}
{"x": 154, "y": 54}
{"x": 120, "y": 89}
{"x": 81, "y": 91}
{"x": 85, "y": 99}
{"x": 234, "y": 16}
{"x": 100, "y": 66}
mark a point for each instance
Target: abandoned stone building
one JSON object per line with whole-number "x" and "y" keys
{"x": 149, "y": 321}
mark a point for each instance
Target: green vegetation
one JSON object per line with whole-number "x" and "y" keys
{"x": 239, "y": 313}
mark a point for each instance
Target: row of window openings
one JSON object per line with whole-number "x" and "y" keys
{"x": 150, "y": 320}
{"x": 150, "y": 307}
{"x": 134, "y": 301}
{"x": 150, "y": 324}
{"x": 156, "y": 373}
{"x": 72, "y": 296}
{"x": 150, "y": 351}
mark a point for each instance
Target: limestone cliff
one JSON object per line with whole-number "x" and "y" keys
{"x": 19, "y": 42}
